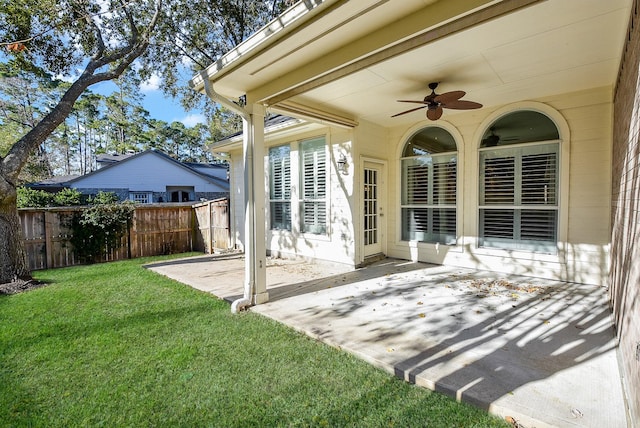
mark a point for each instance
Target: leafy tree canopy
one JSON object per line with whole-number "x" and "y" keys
{"x": 92, "y": 41}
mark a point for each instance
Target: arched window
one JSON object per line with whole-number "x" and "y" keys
{"x": 429, "y": 177}
{"x": 519, "y": 175}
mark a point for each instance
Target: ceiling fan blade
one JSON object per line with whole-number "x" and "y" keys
{"x": 449, "y": 96}
{"x": 434, "y": 113}
{"x": 409, "y": 111}
{"x": 411, "y": 101}
{"x": 461, "y": 105}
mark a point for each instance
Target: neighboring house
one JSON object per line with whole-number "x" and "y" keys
{"x": 543, "y": 180}
{"x": 107, "y": 159}
{"x": 152, "y": 176}
{"x": 53, "y": 184}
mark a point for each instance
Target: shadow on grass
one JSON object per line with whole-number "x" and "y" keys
{"x": 203, "y": 259}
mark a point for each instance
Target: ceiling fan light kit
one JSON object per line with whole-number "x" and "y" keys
{"x": 435, "y": 103}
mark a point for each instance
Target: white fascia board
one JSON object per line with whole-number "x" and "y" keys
{"x": 264, "y": 37}
{"x": 291, "y": 127}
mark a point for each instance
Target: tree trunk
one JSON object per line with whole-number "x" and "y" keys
{"x": 13, "y": 262}
{"x": 113, "y": 63}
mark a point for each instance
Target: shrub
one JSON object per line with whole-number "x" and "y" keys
{"x": 32, "y": 198}
{"x": 68, "y": 197}
{"x": 102, "y": 198}
{"x": 98, "y": 229}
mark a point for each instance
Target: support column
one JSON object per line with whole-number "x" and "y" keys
{"x": 254, "y": 198}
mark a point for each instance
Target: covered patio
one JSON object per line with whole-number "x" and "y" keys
{"x": 540, "y": 352}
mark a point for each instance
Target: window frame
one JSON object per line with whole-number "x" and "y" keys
{"x": 285, "y": 199}
{"x": 537, "y": 248}
{"x": 318, "y": 198}
{"x": 135, "y": 197}
{"x": 431, "y": 206}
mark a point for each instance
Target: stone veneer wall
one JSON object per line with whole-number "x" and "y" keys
{"x": 625, "y": 240}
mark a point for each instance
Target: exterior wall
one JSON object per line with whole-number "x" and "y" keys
{"x": 145, "y": 173}
{"x": 123, "y": 194}
{"x": 372, "y": 143}
{"x": 338, "y": 244}
{"x": 156, "y": 197}
{"x": 584, "y": 122}
{"x": 236, "y": 196}
{"x": 625, "y": 255}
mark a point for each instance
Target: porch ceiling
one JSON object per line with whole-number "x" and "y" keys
{"x": 556, "y": 46}
{"x": 339, "y": 63}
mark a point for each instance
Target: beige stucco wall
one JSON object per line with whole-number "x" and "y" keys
{"x": 236, "y": 199}
{"x": 338, "y": 245}
{"x": 584, "y": 121}
{"x": 371, "y": 143}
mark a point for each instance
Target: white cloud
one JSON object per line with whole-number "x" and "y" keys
{"x": 151, "y": 84}
{"x": 70, "y": 78}
{"x": 193, "y": 119}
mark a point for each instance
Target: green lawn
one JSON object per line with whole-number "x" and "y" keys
{"x": 117, "y": 345}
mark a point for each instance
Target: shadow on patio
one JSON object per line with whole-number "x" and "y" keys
{"x": 539, "y": 351}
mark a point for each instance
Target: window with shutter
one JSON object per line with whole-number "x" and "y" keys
{"x": 519, "y": 184}
{"x": 313, "y": 176}
{"x": 280, "y": 187}
{"x": 429, "y": 179}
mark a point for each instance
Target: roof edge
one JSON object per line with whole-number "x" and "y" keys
{"x": 265, "y": 36}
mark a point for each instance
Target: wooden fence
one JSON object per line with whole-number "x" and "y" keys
{"x": 214, "y": 223}
{"x": 155, "y": 229}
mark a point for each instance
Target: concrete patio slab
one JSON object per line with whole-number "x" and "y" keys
{"x": 540, "y": 352}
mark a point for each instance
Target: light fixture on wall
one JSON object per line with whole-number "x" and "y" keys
{"x": 343, "y": 166}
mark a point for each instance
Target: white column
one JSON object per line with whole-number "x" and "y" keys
{"x": 254, "y": 198}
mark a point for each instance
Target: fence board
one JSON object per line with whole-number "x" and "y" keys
{"x": 155, "y": 229}
{"x": 213, "y": 222}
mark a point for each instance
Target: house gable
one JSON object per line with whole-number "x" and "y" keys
{"x": 149, "y": 171}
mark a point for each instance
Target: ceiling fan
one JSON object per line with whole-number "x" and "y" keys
{"x": 434, "y": 103}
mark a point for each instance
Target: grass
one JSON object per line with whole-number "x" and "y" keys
{"x": 117, "y": 345}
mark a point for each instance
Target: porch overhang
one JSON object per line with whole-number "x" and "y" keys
{"x": 353, "y": 60}
{"x": 292, "y": 126}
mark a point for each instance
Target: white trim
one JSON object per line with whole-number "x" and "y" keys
{"x": 258, "y": 41}
{"x": 563, "y": 197}
{"x": 314, "y": 115}
{"x": 457, "y": 136}
{"x": 133, "y": 193}
{"x": 382, "y": 186}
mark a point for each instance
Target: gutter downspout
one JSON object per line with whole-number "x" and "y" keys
{"x": 250, "y": 238}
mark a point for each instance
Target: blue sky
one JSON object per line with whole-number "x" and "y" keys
{"x": 157, "y": 104}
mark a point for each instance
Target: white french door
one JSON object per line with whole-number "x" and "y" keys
{"x": 372, "y": 208}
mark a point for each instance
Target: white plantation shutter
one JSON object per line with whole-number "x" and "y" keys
{"x": 280, "y": 187}
{"x": 518, "y": 197}
{"x": 314, "y": 186}
{"x": 429, "y": 198}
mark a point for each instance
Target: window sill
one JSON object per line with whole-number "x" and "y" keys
{"x": 517, "y": 254}
{"x": 427, "y": 246}
{"x": 288, "y": 233}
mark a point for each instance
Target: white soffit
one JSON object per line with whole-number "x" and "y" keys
{"x": 555, "y": 46}
{"x": 329, "y": 27}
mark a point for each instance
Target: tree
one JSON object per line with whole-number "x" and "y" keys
{"x": 24, "y": 95}
{"x": 170, "y": 38}
{"x": 59, "y": 36}
{"x": 195, "y": 34}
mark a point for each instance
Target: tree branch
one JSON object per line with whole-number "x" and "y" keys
{"x": 19, "y": 153}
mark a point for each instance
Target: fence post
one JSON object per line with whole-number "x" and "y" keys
{"x": 210, "y": 227}
{"x": 133, "y": 235}
{"x": 48, "y": 244}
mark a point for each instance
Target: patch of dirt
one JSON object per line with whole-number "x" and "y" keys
{"x": 20, "y": 285}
